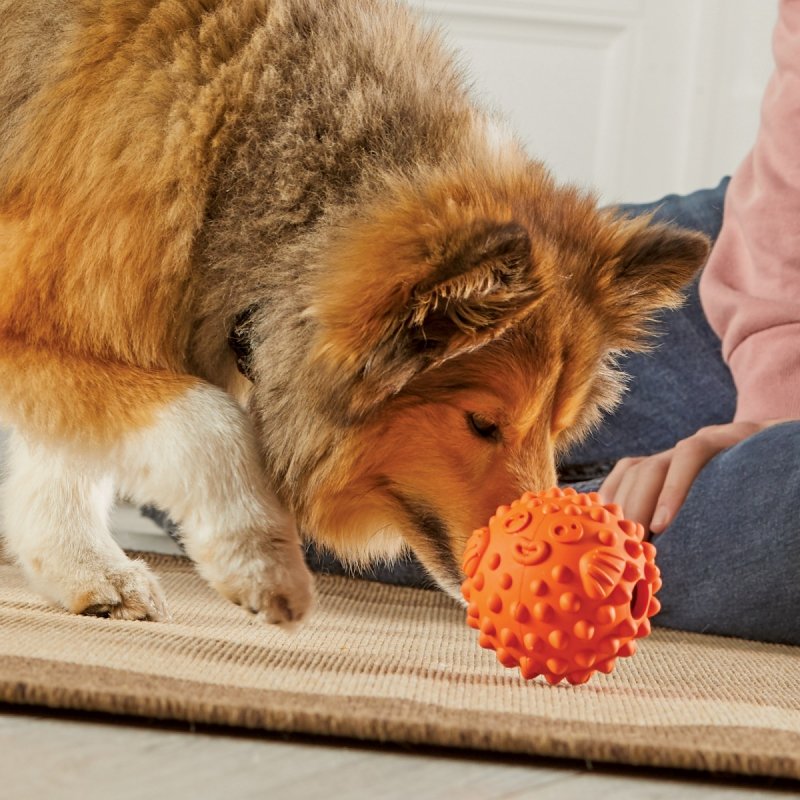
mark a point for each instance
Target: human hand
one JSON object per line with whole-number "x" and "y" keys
{"x": 651, "y": 489}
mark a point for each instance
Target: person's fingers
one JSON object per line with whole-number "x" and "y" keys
{"x": 626, "y": 484}
{"x": 651, "y": 489}
{"x": 608, "y": 489}
{"x": 690, "y": 456}
{"x": 634, "y": 484}
{"x": 640, "y": 488}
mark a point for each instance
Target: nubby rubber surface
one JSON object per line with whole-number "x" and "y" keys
{"x": 560, "y": 585}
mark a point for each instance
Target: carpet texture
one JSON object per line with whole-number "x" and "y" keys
{"x": 392, "y": 664}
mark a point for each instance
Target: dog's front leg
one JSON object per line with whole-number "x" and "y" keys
{"x": 56, "y": 500}
{"x": 200, "y": 462}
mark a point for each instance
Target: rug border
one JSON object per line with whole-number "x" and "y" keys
{"x": 704, "y": 748}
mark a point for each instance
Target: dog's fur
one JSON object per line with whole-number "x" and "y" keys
{"x": 432, "y": 319}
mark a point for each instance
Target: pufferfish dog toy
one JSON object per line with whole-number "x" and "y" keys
{"x": 560, "y": 585}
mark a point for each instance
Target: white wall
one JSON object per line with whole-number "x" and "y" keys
{"x": 636, "y": 98}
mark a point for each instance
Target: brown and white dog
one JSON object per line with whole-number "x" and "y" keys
{"x": 306, "y": 189}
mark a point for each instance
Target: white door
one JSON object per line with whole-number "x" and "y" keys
{"x": 635, "y": 98}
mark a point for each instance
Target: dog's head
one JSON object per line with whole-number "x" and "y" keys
{"x": 467, "y": 333}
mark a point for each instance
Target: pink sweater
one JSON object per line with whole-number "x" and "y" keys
{"x": 750, "y": 288}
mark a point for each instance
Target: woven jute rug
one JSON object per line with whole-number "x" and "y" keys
{"x": 393, "y": 664}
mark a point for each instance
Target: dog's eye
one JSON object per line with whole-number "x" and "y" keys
{"x": 481, "y": 426}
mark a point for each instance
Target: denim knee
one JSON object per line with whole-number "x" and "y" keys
{"x": 731, "y": 559}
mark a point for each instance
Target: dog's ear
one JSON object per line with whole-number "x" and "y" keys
{"x": 650, "y": 265}
{"x": 479, "y": 279}
{"x": 403, "y": 298}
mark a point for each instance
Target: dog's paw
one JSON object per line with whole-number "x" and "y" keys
{"x": 279, "y": 594}
{"x": 273, "y": 583}
{"x": 129, "y": 591}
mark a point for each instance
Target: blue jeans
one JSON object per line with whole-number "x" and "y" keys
{"x": 730, "y": 560}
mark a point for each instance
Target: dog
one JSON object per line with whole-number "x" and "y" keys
{"x": 269, "y": 265}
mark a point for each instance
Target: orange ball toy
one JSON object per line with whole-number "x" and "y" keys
{"x": 560, "y": 585}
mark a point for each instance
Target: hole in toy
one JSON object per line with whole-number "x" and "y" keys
{"x": 567, "y": 532}
{"x": 640, "y": 600}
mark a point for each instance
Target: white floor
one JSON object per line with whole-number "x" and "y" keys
{"x": 135, "y": 532}
{"x": 55, "y": 758}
